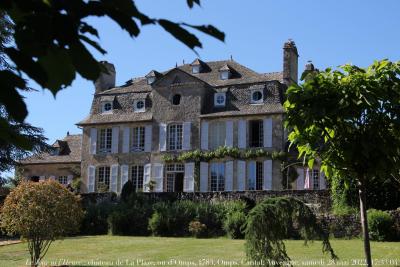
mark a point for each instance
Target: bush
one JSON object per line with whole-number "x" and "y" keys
{"x": 131, "y": 217}
{"x": 95, "y": 219}
{"x": 235, "y": 219}
{"x": 213, "y": 216}
{"x": 197, "y": 229}
{"x": 127, "y": 190}
{"x": 380, "y": 225}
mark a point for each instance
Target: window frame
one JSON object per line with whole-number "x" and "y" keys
{"x": 105, "y": 172}
{"x": 261, "y": 100}
{"x": 138, "y": 138}
{"x": 173, "y": 99}
{"x": 174, "y": 136}
{"x": 196, "y": 69}
{"x": 136, "y": 109}
{"x": 105, "y": 140}
{"x": 216, "y": 134}
{"x": 103, "y": 107}
{"x": 260, "y": 142}
{"x": 224, "y": 75}
{"x": 219, "y": 94}
{"x": 315, "y": 178}
{"x": 137, "y": 176}
{"x": 217, "y": 182}
{"x": 63, "y": 179}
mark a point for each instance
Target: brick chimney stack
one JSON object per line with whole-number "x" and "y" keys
{"x": 106, "y": 79}
{"x": 290, "y": 63}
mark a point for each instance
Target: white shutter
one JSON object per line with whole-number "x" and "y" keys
{"x": 229, "y": 176}
{"x": 163, "y": 137}
{"x": 42, "y": 178}
{"x": 188, "y": 181}
{"x": 93, "y": 141}
{"x": 322, "y": 181}
{"x": 204, "y": 135}
{"x": 114, "y": 178}
{"x": 242, "y": 129}
{"x": 124, "y": 175}
{"x": 267, "y": 132}
{"x": 91, "y": 178}
{"x": 125, "y": 140}
{"x": 229, "y": 134}
{"x": 186, "y": 135}
{"x": 241, "y": 175}
{"x": 300, "y": 179}
{"x": 146, "y": 177}
{"x": 69, "y": 179}
{"x": 148, "y": 138}
{"x": 158, "y": 176}
{"x": 267, "y": 169}
{"x": 115, "y": 138}
{"x": 203, "y": 176}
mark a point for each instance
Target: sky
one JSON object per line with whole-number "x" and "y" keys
{"x": 329, "y": 33}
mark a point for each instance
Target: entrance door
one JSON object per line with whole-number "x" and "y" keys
{"x": 179, "y": 182}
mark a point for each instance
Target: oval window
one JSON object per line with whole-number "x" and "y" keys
{"x": 220, "y": 99}
{"x": 107, "y": 106}
{"x": 257, "y": 96}
{"x": 140, "y": 104}
{"x": 176, "y": 99}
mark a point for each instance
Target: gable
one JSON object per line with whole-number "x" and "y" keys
{"x": 177, "y": 77}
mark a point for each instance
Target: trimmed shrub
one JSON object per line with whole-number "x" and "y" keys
{"x": 127, "y": 190}
{"x": 380, "y": 225}
{"x": 213, "y": 216}
{"x": 95, "y": 219}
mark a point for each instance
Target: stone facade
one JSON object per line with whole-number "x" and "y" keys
{"x": 198, "y": 106}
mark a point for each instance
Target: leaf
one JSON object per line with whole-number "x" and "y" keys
{"x": 9, "y": 96}
{"x": 92, "y": 43}
{"x": 180, "y": 33}
{"x": 191, "y": 2}
{"x": 310, "y": 163}
{"x": 210, "y": 30}
{"x": 88, "y": 28}
{"x": 83, "y": 61}
{"x": 59, "y": 68}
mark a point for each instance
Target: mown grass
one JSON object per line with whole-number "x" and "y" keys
{"x": 151, "y": 251}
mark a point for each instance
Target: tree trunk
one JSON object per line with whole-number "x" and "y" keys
{"x": 364, "y": 220}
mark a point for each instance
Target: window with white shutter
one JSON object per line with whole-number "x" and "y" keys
{"x": 217, "y": 171}
{"x": 267, "y": 128}
{"x": 229, "y": 134}
{"x": 204, "y": 135}
{"x": 158, "y": 176}
{"x": 125, "y": 139}
{"x": 137, "y": 175}
{"x": 148, "y": 138}
{"x": 203, "y": 176}
{"x": 91, "y": 178}
{"x": 138, "y": 139}
{"x": 241, "y": 175}
{"x": 188, "y": 182}
{"x": 115, "y": 140}
{"x": 174, "y": 136}
{"x": 146, "y": 177}
{"x": 267, "y": 169}
{"x": 242, "y": 133}
{"x": 217, "y": 134}
{"x": 187, "y": 127}
{"x": 93, "y": 141}
{"x": 163, "y": 137}
{"x": 105, "y": 140}
{"x": 114, "y": 178}
{"x": 124, "y": 175}
{"x": 229, "y": 176}
{"x": 103, "y": 178}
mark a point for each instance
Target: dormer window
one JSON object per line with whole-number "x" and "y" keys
{"x": 151, "y": 80}
{"x": 176, "y": 99}
{"x": 219, "y": 99}
{"x": 152, "y": 76}
{"x": 196, "y": 69}
{"x": 106, "y": 107}
{"x": 224, "y": 72}
{"x": 257, "y": 97}
{"x": 139, "y": 105}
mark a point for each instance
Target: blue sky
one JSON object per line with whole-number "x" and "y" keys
{"x": 329, "y": 33}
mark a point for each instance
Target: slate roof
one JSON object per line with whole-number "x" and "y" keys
{"x": 117, "y": 117}
{"x": 209, "y": 74}
{"x": 70, "y": 152}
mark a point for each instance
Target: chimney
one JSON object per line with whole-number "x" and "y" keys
{"x": 106, "y": 79}
{"x": 290, "y": 63}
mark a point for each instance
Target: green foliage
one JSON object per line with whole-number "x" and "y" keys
{"x": 40, "y": 213}
{"x": 95, "y": 221}
{"x": 197, "y": 229}
{"x": 380, "y": 225}
{"x": 223, "y": 152}
{"x": 236, "y": 215}
{"x": 76, "y": 184}
{"x": 268, "y": 224}
{"x": 127, "y": 190}
{"x": 131, "y": 217}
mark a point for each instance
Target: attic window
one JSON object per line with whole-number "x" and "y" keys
{"x": 257, "y": 97}
{"x": 106, "y": 107}
{"x": 196, "y": 69}
{"x": 219, "y": 99}
{"x": 176, "y": 99}
{"x": 151, "y": 79}
{"x": 139, "y": 105}
{"x": 224, "y": 75}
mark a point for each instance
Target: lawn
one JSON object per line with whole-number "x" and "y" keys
{"x": 157, "y": 251}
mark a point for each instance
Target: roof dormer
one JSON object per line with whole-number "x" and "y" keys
{"x": 225, "y": 72}
{"x": 196, "y": 66}
{"x": 152, "y": 76}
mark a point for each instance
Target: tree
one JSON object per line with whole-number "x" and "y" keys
{"x": 349, "y": 119}
{"x": 40, "y": 213}
{"x": 269, "y": 223}
{"x": 50, "y": 40}
{"x": 17, "y": 139}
